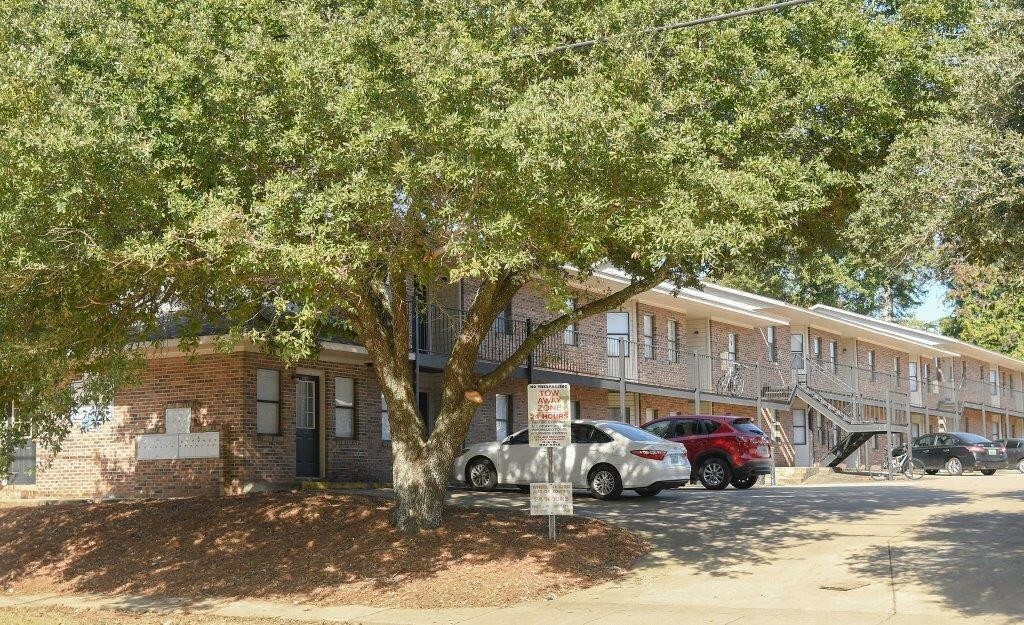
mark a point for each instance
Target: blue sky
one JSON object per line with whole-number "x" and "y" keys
{"x": 932, "y": 307}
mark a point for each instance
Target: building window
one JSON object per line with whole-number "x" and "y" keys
{"x": 871, "y": 364}
{"x": 344, "y": 407}
{"x": 385, "y": 420}
{"x": 799, "y": 427}
{"x": 574, "y": 409}
{"x": 502, "y": 415}
{"x": 796, "y": 349}
{"x": 503, "y": 324}
{"x": 305, "y": 403}
{"x": 732, "y": 347}
{"x": 896, "y": 371}
{"x": 268, "y": 401}
{"x": 993, "y": 386}
{"x": 618, "y": 332}
{"x": 571, "y": 332}
{"x": 650, "y": 414}
{"x": 912, "y": 376}
{"x": 648, "y": 336}
{"x": 673, "y": 341}
{"x": 771, "y": 344}
{"x": 816, "y": 349}
{"x": 833, "y": 356}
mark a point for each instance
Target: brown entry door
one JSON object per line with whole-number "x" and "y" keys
{"x": 307, "y": 426}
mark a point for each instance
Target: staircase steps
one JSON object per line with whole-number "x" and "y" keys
{"x": 847, "y": 445}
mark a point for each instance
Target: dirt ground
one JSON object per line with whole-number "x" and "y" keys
{"x": 322, "y": 549}
{"x": 65, "y": 616}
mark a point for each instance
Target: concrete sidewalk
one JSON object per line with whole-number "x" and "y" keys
{"x": 543, "y": 613}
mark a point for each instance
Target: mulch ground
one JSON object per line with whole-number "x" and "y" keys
{"x": 323, "y": 549}
{"x": 66, "y": 616}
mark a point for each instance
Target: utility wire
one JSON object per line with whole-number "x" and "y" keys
{"x": 662, "y": 29}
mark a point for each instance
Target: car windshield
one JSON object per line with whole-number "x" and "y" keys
{"x": 632, "y": 433}
{"x": 972, "y": 438}
{"x": 746, "y": 425}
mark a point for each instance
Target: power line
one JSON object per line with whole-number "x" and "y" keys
{"x": 662, "y": 29}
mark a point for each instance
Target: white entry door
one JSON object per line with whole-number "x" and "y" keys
{"x": 801, "y": 448}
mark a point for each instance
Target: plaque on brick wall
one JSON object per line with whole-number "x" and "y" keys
{"x": 178, "y": 420}
{"x": 156, "y": 446}
{"x": 199, "y": 445}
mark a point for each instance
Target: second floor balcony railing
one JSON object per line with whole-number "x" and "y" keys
{"x": 665, "y": 364}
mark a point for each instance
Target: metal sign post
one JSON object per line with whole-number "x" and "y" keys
{"x": 549, "y": 427}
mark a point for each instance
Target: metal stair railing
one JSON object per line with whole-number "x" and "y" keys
{"x": 819, "y": 379}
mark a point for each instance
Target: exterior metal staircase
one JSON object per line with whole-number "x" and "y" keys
{"x": 846, "y": 412}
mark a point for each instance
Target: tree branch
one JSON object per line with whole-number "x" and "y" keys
{"x": 546, "y": 329}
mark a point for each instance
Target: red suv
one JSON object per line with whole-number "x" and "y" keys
{"x": 722, "y": 450}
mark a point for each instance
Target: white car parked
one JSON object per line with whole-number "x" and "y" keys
{"x": 603, "y": 456}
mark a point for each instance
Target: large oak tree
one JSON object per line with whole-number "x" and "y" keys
{"x": 317, "y": 159}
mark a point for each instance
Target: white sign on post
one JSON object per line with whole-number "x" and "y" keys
{"x": 550, "y": 499}
{"x": 549, "y": 415}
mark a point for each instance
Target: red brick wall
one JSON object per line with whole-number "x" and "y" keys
{"x": 101, "y": 463}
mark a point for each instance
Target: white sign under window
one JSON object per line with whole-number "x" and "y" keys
{"x": 550, "y": 414}
{"x": 550, "y": 498}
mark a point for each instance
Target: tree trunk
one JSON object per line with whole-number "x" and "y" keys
{"x": 420, "y": 486}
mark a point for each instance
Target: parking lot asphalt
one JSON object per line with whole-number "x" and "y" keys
{"x": 942, "y": 549}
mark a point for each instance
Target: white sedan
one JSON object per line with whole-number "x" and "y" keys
{"x": 603, "y": 456}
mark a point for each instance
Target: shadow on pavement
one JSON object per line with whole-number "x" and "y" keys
{"x": 718, "y": 531}
{"x": 973, "y": 560}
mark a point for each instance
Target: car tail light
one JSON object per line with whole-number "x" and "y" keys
{"x": 650, "y": 454}
{"x": 978, "y": 449}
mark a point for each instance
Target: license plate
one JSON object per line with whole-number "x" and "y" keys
{"x": 762, "y": 450}
{"x": 675, "y": 459}
{"x": 993, "y": 452}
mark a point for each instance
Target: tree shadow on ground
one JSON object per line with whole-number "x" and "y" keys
{"x": 974, "y": 561}
{"x": 325, "y": 548}
{"x": 719, "y": 531}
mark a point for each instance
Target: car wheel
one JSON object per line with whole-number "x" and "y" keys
{"x": 715, "y": 474}
{"x": 481, "y": 474}
{"x": 605, "y": 482}
{"x": 647, "y": 492}
{"x": 1020, "y": 465}
{"x": 934, "y": 471}
{"x": 988, "y": 471}
{"x": 744, "y": 483}
{"x": 955, "y": 466}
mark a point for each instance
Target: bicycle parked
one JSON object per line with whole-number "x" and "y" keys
{"x": 730, "y": 382}
{"x": 897, "y": 463}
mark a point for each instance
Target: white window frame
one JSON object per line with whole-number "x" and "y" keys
{"x": 502, "y": 415}
{"x": 872, "y": 365}
{"x": 268, "y": 404}
{"x": 833, "y": 355}
{"x": 673, "y": 340}
{"x": 570, "y": 336}
{"x": 344, "y": 407}
{"x": 772, "y": 354}
{"x": 732, "y": 347}
{"x": 385, "y": 420}
{"x": 575, "y": 409}
{"x": 896, "y": 370}
{"x": 816, "y": 348}
{"x": 648, "y": 325}
{"x": 993, "y": 382}
{"x": 912, "y": 376}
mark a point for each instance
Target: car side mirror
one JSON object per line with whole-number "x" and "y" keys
{"x": 507, "y": 440}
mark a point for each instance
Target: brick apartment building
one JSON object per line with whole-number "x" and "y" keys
{"x": 825, "y": 383}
